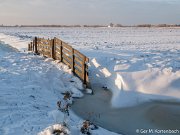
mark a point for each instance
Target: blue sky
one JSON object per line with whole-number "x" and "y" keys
{"x": 127, "y": 12}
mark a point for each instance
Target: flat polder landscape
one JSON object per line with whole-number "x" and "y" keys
{"x": 133, "y": 71}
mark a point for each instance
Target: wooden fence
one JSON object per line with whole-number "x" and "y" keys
{"x": 59, "y": 50}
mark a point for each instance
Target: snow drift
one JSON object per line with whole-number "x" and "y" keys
{"x": 141, "y": 84}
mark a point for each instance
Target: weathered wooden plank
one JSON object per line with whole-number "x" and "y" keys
{"x": 67, "y": 52}
{"x": 78, "y": 66}
{"x": 58, "y": 57}
{"x": 58, "y": 47}
{"x": 43, "y": 40}
{"x": 58, "y": 50}
{"x": 79, "y": 74}
{"x": 66, "y": 62}
{"x": 58, "y": 41}
{"x": 46, "y": 50}
{"x": 67, "y": 58}
{"x": 48, "y": 54}
{"x": 57, "y": 53}
{"x": 65, "y": 45}
{"x": 78, "y": 54}
{"x": 45, "y": 45}
{"x": 77, "y": 60}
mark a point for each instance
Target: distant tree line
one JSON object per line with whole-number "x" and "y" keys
{"x": 159, "y": 25}
{"x": 145, "y": 25}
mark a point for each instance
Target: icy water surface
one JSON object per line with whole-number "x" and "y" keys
{"x": 130, "y": 120}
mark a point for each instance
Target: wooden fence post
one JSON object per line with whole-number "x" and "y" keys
{"x": 84, "y": 70}
{"x": 61, "y": 52}
{"x": 87, "y": 74}
{"x": 31, "y": 46}
{"x": 35, "y": 45}
{"x": 52, "y": 48}
{"x": 28, "y": 47}
{"x": 72, "y": 64}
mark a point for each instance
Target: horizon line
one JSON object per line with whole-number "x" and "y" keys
{"x": 94, "y": 25}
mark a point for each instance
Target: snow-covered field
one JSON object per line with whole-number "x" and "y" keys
{"x": 136, "y": 64}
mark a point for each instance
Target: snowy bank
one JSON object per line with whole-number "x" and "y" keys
{"x": 15, "y": 42}
{"x": 30, "y": 87}
{"x": 134, "y": 81}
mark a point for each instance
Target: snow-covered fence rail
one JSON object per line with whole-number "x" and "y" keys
{"x": 59, "y": 50}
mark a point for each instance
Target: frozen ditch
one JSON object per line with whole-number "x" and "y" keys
{"x": 149, "y": 115}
